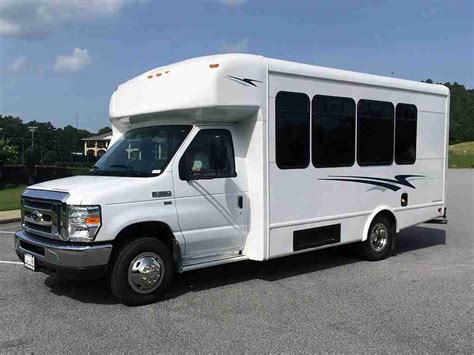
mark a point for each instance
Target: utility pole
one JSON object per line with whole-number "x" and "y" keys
{"x": 32, "y": 130}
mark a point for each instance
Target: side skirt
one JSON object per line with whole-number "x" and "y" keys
{"x": 212, "y": 263}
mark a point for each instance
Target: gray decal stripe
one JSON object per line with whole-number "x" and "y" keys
{"x": 399, "y": 179}
{"x": 376, "y": 183}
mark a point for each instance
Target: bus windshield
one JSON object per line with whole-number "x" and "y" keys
{"x": 142, "y": 152}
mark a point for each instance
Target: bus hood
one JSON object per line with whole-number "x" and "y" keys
{"x": 103, "y": 190}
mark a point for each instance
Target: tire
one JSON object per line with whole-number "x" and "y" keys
{"x": 131, "y": 280}
{"x": 379, "y": 240}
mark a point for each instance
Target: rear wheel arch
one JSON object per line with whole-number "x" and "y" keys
{"x": 381, "y": 211}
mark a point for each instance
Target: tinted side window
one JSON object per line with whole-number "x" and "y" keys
{"x": 375, "y": 132}
{"x": 292, "y": 130}
{"x": 405, "y": 134}
{"x": 333, "y": 131}
{"x": 201, "y": 157}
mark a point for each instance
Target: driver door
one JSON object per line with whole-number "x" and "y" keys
{"x": 209, "y": 189}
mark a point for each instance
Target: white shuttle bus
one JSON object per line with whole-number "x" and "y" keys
{"x": 237, "y": 157}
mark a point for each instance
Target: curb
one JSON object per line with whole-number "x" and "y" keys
{"x": 10, "y": 220}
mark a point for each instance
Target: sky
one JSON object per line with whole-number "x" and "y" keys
{"x": 59, "y": 58}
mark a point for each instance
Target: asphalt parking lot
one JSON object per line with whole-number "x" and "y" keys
{"x": 327, "y": 301}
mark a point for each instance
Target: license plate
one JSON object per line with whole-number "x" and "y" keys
{"x": 30, "y": 262}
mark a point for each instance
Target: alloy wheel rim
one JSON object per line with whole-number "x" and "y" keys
{"x": 378, "y": 237}
{"x": 146, "y": 272}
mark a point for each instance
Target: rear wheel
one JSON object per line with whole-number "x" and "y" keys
{"x": 141, "y": 272}
{"x": 379, "y": 240}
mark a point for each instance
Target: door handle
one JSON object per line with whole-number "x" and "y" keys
{"x": 240, "y": 201}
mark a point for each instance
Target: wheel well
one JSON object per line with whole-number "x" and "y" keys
{"x": 158, "y": 230}
{"x": 388, "y": 215}
{"x": 383, "y": 212}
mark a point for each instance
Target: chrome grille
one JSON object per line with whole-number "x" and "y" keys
{"x": 42, "y": 217}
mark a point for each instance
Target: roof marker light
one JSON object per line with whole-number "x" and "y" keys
{"x": 215, "y": 65}
{"x": 166, "y": 72}
{"x": 158, "y": 74}
{"x": 150, "y": 76}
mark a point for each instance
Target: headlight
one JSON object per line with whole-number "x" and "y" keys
{"x": 83, "y": 223}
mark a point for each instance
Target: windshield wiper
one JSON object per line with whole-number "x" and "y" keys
{"x": 123, "y": 166}
{"x": 126, "y": 167}
{"x": 129, "y": 170}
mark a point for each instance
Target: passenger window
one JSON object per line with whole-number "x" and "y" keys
{"x": 375, "y": 124}
{"x": 333, "y": 131}
{"x": 292, "y": 130}
{"x": 210, "y": 155}
{"x": 405, "y": 134}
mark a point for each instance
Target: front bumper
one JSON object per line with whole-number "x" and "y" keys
{"x": 64, "y": 259}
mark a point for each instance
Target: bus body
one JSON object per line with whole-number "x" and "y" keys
{"x": 234, "y": 157}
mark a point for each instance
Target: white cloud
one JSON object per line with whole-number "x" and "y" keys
{"x": 232, "y": 2}
{"x": 73, "y": 62}
{"x": 18, "y": 64}
{"x": 38, "y": 18}
{"x": 241, "y": 46}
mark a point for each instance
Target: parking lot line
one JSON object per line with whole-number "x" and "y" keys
{"x": 11, "y": 262}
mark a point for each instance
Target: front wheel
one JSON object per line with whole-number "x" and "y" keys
{"x": 141, "y": 272}
{"x": 378, "y": 244}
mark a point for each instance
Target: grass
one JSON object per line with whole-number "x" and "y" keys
{"x": 10, "y": 198}
{"x": 461, "y": 155}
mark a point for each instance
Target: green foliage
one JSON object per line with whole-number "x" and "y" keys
{"x": 50, "y": 157}
{"x": 104, "y": 130}
{"x": 461, "y": 114}
{"x": 8, "y": 152}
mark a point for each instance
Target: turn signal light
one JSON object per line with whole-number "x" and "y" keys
{"x": 93, "y": 220}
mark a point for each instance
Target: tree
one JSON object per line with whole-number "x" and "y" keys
{"x": 50, "y": 157}
{"x": 461, "y": 113}
{"x": 104, "y": 130}
{"x": 8, "y": 152}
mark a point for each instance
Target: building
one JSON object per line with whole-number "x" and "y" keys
{"x": 96, "y": 146}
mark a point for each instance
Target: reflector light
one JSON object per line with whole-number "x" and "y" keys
{"x": 215, "y": 65}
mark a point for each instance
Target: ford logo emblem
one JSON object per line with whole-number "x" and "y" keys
{"x": 36, "y": 216}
